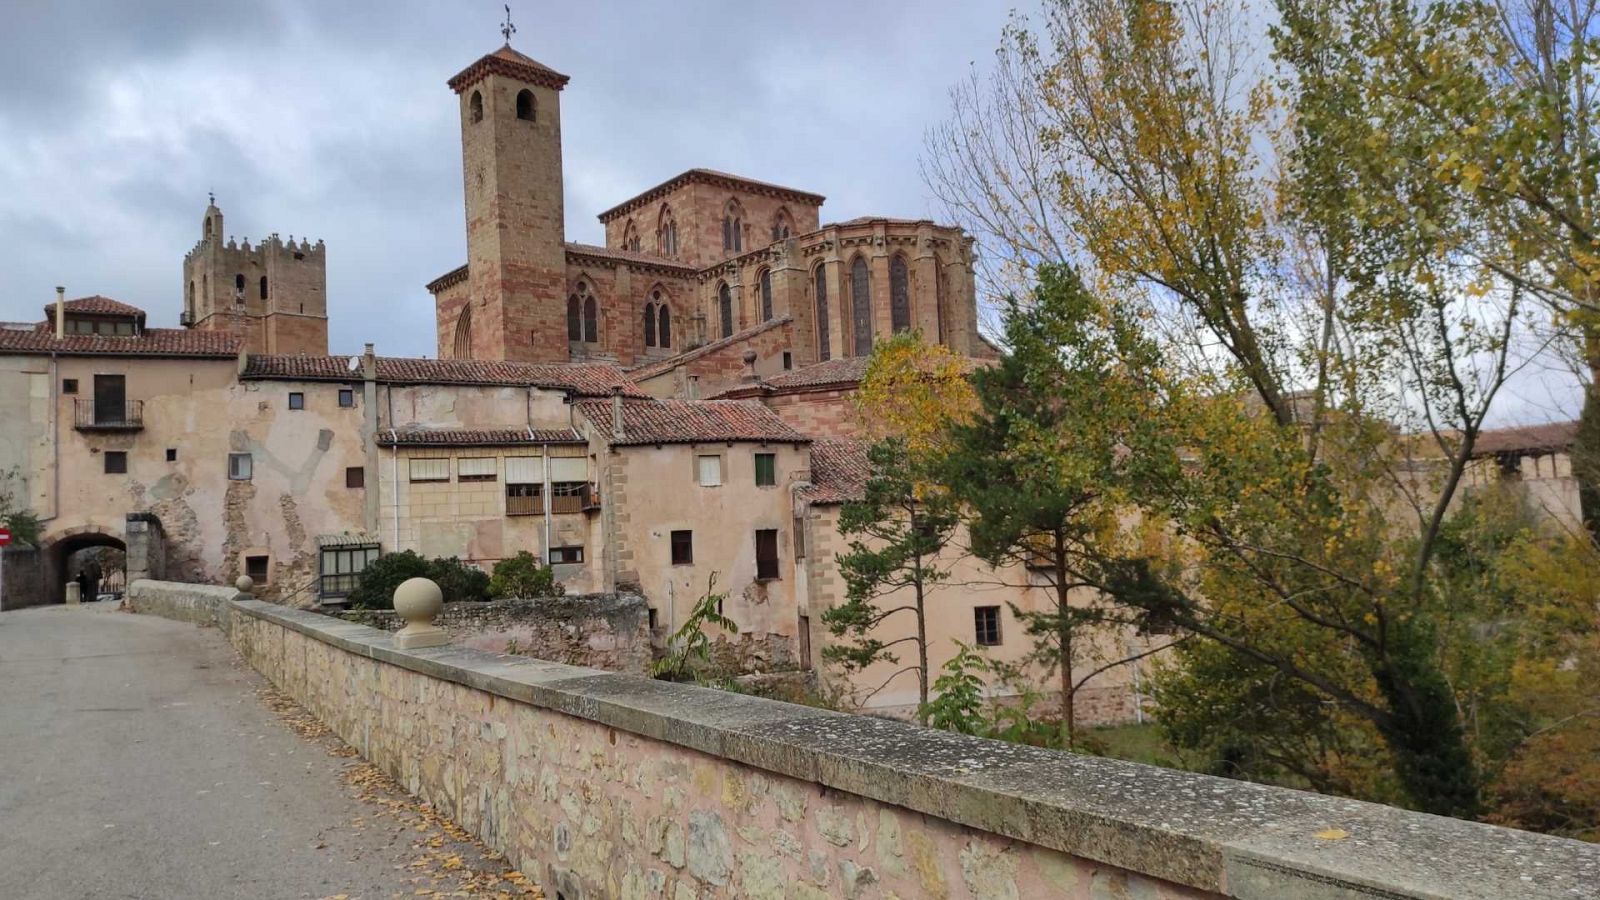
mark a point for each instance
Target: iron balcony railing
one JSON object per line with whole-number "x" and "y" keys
{"x": 90, "y": 415}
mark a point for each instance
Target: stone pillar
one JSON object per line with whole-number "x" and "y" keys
{"x": 73, "y": 593}
{"x": 146, "y": 545}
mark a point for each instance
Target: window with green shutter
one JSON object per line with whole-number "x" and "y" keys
{"x": 766, "y": 469}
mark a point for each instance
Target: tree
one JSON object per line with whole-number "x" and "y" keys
{"x": 14, "y": 515}
{"x": 690, "y": 644}
{"x": 912, "y": 390}
{"x": 1040, "y": 471}
{"x": 896, "y": 534}
{"x": 376, "y": 585}
{"x": 523, "y": 576}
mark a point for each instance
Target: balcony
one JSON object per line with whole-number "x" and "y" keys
{"x": 526, "y": 505}
{"x": 90, "y": 415}
{"x": 573, "y": 497}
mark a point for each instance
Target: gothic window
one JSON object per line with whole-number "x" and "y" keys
{"x": 463, "y": 346}
{"x": 666, "y": 326}
{"x": 477, "y": 106}
{"x": 822, "y": 313}
{"x": 766, "y": 295}
{"x": 630, "y": 236}
{"x": 238, "y": 286}
{"x": 666, "y": 233}
{"x": 649, "y": 324}
{"x": 591, "y": 321}
{"x": 782, "y": 228}
{"x": 733, "y": 227}
{"x": 525, "y": 105}
{"x": 263, "y": 287}
{"x": 725, "y": 307}
{"x": 672, "y": 238}
{"x": 861, "y": 306}
{"x": 899, "y": 295}
{"x": 574, "y": 319}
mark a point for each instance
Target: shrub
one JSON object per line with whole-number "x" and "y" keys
{"x": 375, "y": 587}
{"x": 458, "y": 580}
{"x": 523, "y": 576}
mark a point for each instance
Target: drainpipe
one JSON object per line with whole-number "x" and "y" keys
{"x": 61, "y": 312}
{"x": 546, "y": 498}
{"x": 55, "y": 439}
{"x": 616, "y": 413}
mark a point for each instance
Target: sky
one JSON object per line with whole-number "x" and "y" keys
{"x": 333, "y": 121}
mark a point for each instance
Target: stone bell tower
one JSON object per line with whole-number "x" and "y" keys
{"x": 516, "y": 252}
{"x": 274, "y": 294}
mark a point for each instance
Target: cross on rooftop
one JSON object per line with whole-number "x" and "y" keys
{"x": 507, "y": 28}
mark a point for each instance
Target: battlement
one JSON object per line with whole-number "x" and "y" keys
{"x": 274, "y": 291}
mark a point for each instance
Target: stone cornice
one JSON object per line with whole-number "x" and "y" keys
{"x": 449, "y": 279}
{"x": 715, "y": 179}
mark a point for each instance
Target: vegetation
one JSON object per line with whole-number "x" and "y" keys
{"x": 690, "y": 645}
{"x": 523, "y": 576}
{"x": 14, "y": 515}
{"x": 457, "y": 580}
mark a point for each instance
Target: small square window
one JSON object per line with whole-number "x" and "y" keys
{"x": 69, "y": 385}
{"x": 256, "y": 568}
{"x": 986, "y": 625}
{"x": 355, "y": 477}
{"x": 766, "y": 554}
{"x": 347, "y": 398}
{"x": 766, "y": 469}
{"x": 565, "y": 555}
{"x": 240, "y": 466}
{"x": 297, "y": 400}
{"x": 116, "y": 462}
{"x": 682, "y": 548}
{"x": 709, "y": 469}
{"x": 172, "y": 454}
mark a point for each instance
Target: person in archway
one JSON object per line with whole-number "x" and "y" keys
{"x": 83, "y": 586}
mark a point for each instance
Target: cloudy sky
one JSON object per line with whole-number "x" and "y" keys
{"x": 332, "y": 120}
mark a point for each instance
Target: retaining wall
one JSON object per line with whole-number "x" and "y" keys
{"x": 603, "y": 785}
{"x": 202, "y": 604}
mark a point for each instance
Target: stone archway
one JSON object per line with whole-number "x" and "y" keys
{"x": 58, "y": 552}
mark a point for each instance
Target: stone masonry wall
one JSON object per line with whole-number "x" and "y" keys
{"x": 611, "y": 786}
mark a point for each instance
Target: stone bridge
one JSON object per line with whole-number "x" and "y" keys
{"x": 600, "y": 785}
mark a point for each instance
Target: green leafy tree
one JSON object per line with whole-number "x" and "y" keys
{"x": 896, "y": 534}
{"x": 690, "y": 645}
{"x": 523, "y": 576}
{"x": 458, "y": 580}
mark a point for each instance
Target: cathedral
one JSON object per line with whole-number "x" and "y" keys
{"x": 703, "y": 258}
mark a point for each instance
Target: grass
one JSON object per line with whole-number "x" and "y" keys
{"x": 1136, "y": 743}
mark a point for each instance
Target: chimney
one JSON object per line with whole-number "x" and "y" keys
{"x": 61, "y": 312}
{"x": 616, "y": 413}
{"x": 749, "y": 376}
{"x": 369, "y": 362}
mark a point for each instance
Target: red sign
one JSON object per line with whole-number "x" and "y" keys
{"x": 5, "y": 536}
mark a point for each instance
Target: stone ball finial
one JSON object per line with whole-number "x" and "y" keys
{"x": 244, "y": 584}
{"x": 418, "y": 600}
{"x": 749, "y": 357}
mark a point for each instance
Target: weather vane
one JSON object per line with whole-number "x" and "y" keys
{"x": 508, "y": 29}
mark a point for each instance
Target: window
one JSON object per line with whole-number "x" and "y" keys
{"x": 766, "y": 295}
{"x": 666, "y": 326}
{"x": 788, "y": 360}
{"x": 709, "y": 469}
{"x": 682, "y": 548}
{"x": 569, "y": 485}
{"x": 263, "y": 287}
{"x": 256, "y": 568}
{"x": 240, "y": 466}
{"x": 116, "y": 462}
{"x": 799, "y": 538}
{"x": 649, "y": 325}
{"x": 591, "y": 321}
{"x": 574, "y": 319}
{"x": 766, "y": 554}
{"x": 347, "y": 397}
{"x": 172, "y": 454}
{"x": 861, "y": 306}
{"x": 297, "y": 400}
{"x": 462, "y": 348}
{"x": 475, "y": 106}
{"x": 565, "y": 555}
{"x": 781, "y": 227}
{"x": 238, "y": 286}
{"x": 342, "y": 567}
{"x": 766, "y": 469}
{"x": 666, "y": 232}
{"x": 899, "y": 295}
{"x": 524, "y": 499}
{"x": 69, "y": 385}
{"x": 725, "y": 307}
{"x": 986, "y": 625}
{"x": 477, "y": 468}
{"x": 732, "y": 227}
{"x": 430, "y": 470}
{"x": 525, "y": 105}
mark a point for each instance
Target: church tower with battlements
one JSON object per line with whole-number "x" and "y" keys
{"x": 510, "y": 300}
{"x": 274, "y": 293}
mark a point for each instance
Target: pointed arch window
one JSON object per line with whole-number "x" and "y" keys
{"x": 574, "y": 318}
{"x": 725, "y": 307}
{"x": 649, "y": 324}
{"x": 263, "y": 287}
{"x": 666, "y": 327}
{"x": 782, "y": 227}
{"x": 899, "y": 295}
{"x": 861, "y": 306}
{"x": 733, "y": 227}
{"x": 463, "y": 344}
{"x": 591, "y": 321}
{"x": 666, "y": 233}
{"x": 766, "y": 295}
{"x": 476, "y": 106}
{"x": 525, "y": 105}
{"x": 238, "y": 286}
{"x": 822, "y": 313}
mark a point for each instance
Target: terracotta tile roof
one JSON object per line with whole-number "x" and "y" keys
{"x": 839, "y": 471}
{"x": 690, "y": 421}
{"x": 710, "y": 176}
{"x": 653, "y": 369}
{"x": 632, "y": 256}
{"x": 480, "y": 437}
{"x": 1548, "y": 437}
{"x": 509, "y": 62}
{"x": 830, "y": 374}
{"x": 95, "y": 305}
{"x": 867, "y": 220}
{"x": 584, "y": 379}
{"x": 151, "y": 342}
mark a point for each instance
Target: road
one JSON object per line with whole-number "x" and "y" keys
{"x": 137, "y": 760}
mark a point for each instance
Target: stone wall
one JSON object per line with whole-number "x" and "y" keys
{"x": 611, "y": 786}
{"x": 602, "y": 631}
{"x": 202, "y": 604}
{"x": 24, "y": 578}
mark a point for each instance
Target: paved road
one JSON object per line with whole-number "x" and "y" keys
{"x": 136, "y": 760}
